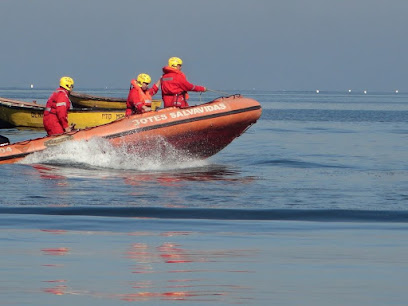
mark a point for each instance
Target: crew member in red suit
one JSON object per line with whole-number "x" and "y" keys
{"x": 56, "y": 111}
{"x": 140, "y": 96}
{"x": 174, "y": 84}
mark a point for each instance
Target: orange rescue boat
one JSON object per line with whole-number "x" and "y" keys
{"x": 200, "y": 131}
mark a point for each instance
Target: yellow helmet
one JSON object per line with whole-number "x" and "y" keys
{"x": 174, "y": 61}
{"x": 143, "y": 78}
{"x": 67, "y": 83}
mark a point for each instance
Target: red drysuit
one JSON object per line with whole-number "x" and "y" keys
{"x": 174, "y": 86}
{"x": 56, "y": 112}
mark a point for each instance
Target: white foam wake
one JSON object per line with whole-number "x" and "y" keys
{"x": 99, "y": 153}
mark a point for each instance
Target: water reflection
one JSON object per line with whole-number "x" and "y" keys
{"x": 58, "y": 288}
{"x": 139, "y": 178}
{"x": 48, "y": 173}
{"x": 178, "y": 286}
{"x": 155, "y": 268}
{"x": 56, "y": 251}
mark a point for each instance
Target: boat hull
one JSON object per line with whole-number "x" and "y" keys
{"x": 25, "y": 114}
{"x": 199, "y": 131}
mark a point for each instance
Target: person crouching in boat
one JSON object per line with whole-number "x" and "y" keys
{"x": 56, "y": 111}
{"x": 174, "y": 84}
{"x": 139, "y": 99}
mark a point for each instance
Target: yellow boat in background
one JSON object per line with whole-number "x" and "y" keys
{"x": 86, "y": 100}
{"x": 27, "y": 114}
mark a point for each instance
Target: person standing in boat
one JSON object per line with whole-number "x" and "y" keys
{"x": 56, "y": 111}
{"x": 139, "y": 99}
{"x": 174, "y": 84}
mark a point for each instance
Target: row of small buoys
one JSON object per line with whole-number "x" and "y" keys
{"x": 364, "y": 91}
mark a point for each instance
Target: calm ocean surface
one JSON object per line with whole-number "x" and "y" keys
{"x": 308, "y": 207}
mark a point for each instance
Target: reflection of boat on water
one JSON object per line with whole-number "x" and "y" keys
{"x": 16, "y": 113}
{"x": 212, "y": 173}
{"x": 87, "y": 100}
{"x": 199, "y": 131}
{"x": 201, "y": 171}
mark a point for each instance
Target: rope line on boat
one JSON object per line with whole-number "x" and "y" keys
{"x": 217, "y": 91}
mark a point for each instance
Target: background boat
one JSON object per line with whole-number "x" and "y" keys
{"x": 87, "y": 100}
{"x": 16, "y": 113}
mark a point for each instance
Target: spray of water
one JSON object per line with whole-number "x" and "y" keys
{"x": 99, "y": 153}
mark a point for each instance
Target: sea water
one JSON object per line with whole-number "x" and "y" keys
{"x": 308, "y": 207}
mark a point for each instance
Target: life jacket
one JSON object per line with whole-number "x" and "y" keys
{"x": 144, "y": 96}
{"x": 51, "y": 106}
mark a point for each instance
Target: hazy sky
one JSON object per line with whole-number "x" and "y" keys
{"x": 225, "y": 44}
